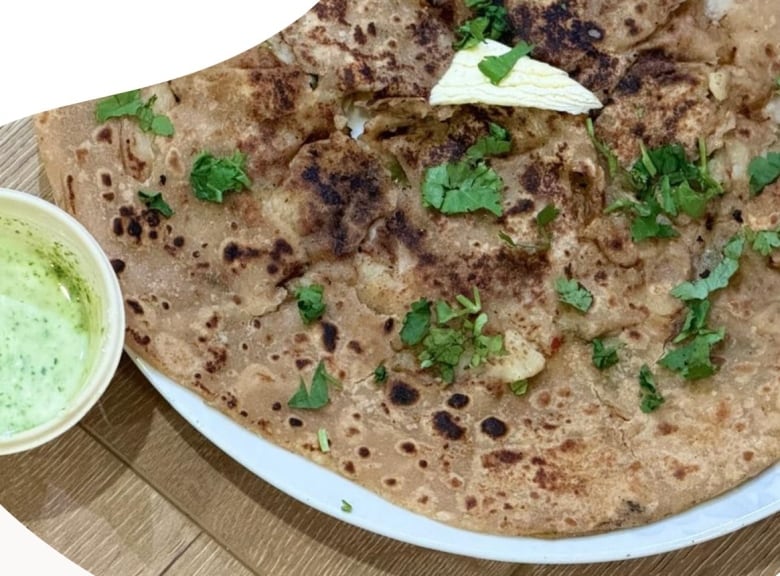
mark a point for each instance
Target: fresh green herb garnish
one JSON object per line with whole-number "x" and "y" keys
{"x": 651, "y": 398}
{"x": 613, "y": 166}
{"x": 491, "y": 21}
{"x": 322, "y": 440}
{"x": 695, "y": 319}
{"x": 154, "y": 201}
{"x": 718, "y": 278}
{"x": 460, "y": 187}
{"x": 311, "y": 306}
{"x": 763, "y": 241}
{"x": 763, "y": 171}
{"x": 519, "y": 387}
{"x": 417, "y": 322}
{"x": 317, "y": 396}
{"x": 574, "y": 294}
{"x": 469, "y": 184}
{"x": 603, "y": 356}
{"x": 212, "y": 177}
{"x": 692, "y": 361}
{"x": 131, "y": 104}
{"x": 496, "y": 68}
{"x": 346, "y": 506}
{"x": 447, "y": 331}
{"x": 666, "y": 184}
{"x": 380, "y": 374}
{"x": 546, "y": 216}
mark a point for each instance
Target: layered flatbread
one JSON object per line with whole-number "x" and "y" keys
{"x": 531, "y": 439}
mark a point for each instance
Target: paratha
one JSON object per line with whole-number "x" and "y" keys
{"x": 211, "y": 290}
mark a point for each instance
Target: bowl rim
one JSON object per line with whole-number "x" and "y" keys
{"x": 42, "y": 213}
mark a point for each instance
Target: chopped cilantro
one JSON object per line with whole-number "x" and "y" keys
{"x": 763, "y": 171}
{"x": 346, "y": 506}
{"x": 154, "y": 201}
{"x": 491, "y": 21}
{"x": 651, "y": 398}
{"x": 322, "y": 440}
{"x": 130, "y": 104}
{"x": 212, "y": 177}
{"x": 448, "y": 331}
{"x": 613, "y": 166}
{"x": 764, "y": 241}
{"x": 695, "y": 319}
{"x": 456, "y": 188}
{"x": 496, "y": 68}
{"x": 519, "y": 387}
{"x": 574, "y": 294}
{"x": 718, "y": 278}
{"x": 665, "y": 184}
{"x": 603, "y": 356}
{"x": 468, "y": 185}
{"x": 546, "y": 215}
{"x": 692, "y": 361}
{"x": 417, "y": 322}
{"x": 311, "y": 306}
{"x": 380, "y": 374}
{"x": 317, "y": 396}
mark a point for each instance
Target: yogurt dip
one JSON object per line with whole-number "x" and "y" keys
{"x": 45, "y": 327}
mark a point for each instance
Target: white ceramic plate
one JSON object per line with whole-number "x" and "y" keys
{"x": 325, "y": 490}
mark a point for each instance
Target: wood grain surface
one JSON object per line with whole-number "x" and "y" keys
{"x": 135, "y": 490}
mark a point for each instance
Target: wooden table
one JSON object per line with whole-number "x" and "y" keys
{"x": 135, "y": 490}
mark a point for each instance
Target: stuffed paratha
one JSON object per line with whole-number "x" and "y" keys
{"x": 532, "y": 435}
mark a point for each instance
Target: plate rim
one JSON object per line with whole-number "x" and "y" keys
{"x": 752, "y": 501}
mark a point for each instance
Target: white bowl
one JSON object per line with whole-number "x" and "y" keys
{"x": 80, "y": 320}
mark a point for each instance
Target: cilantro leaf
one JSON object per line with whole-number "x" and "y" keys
{"x": 446, "y": 332}
{"x": 131, "y": 104}
{"x": 491, "y": 21}
{"x": 496, "y": 68}
{"x": 460, "y": 187}
{"x": 764, "y": 241}
{"x": 546, "y": 215}
{"x": 323, "y": 441}
{"x": 695, "y": 319}
{"x": 154, "y": 201}
{"x": 496, "y": 143}
{"x": 613, "y": 166}
{"x": 665, "y": 184}
{"x": 692, "y": 361}
{"x": 380, "y": 374}
{"x": 763, "y": 171}
{"x": 718, "y": 278}
{"x": 651, "y": 399}
{"x": 311, "y": 306}
{"x": 603, "y": 356}
{"x": 519, "y": 387}
{"x": 212, "y": 177}
{"x": 443, "y": 347}
{"x": 317, "y": 396}
{"x": 468, "y": 185}
{"x": 417, "y": 322}
{"x": 574, "y": 294}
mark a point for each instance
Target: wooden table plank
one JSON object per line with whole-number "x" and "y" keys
{"x": 269, "y": 531}
{"x": 205, "y": 557}
{"x": 80, "y": 499}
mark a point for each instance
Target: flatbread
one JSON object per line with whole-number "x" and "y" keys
{"x": 210, "y": 291}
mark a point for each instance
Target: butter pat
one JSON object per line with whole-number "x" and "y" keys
{"x": 530, "y": 83}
